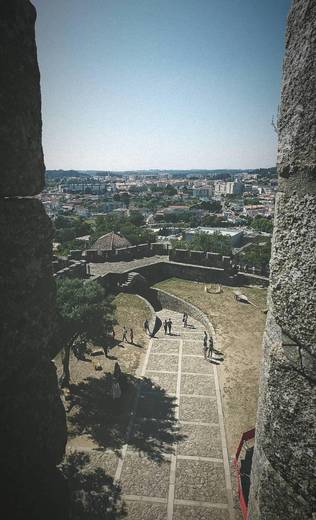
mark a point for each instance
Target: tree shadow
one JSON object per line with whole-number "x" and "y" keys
{"x": 108, "y": 422}
{"x": 93, "y": 494}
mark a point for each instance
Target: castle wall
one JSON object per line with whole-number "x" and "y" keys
{"x": 33, "y": 427}
{"x": 283, "y": 473}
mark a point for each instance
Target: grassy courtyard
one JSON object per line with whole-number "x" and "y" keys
{"x": 239, "y": 329}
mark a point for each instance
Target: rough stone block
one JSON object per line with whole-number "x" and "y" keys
{"x": 197, "y": 257}
{"x": 293, "y": 275}
{"x": 26, "y": 285}
{"x": 21, "y": 156}
{"x": 296, "y": 125}
{"x": 285, "y": 432}
{"x": 213, "y": 259}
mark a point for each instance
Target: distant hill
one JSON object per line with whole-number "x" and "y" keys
{"x": 59, "y": 174}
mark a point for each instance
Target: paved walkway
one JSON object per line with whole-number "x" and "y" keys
{"x": 190, "y": 480}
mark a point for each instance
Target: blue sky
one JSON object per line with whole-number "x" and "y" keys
{"x": 137, "y": 84}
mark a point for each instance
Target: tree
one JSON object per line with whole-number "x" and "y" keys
{"x": 215, "y": 243}
{"x": 252, "y": 201}
{"x": 124, "y": 225}
{"x": 84, "y": 311}
{"x": 262, "y": 224}
{"x": 136, "y": 218}
{"x": 257, "y": 255}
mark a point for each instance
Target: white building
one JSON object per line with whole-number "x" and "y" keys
{"x": 233, "y": 188}
{"x": 255, "y": 209}
{"x": 234, "y": 234}
{"x": 202, "y": 192}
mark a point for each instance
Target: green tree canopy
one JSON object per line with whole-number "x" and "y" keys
{"x": 84, "y": 310}
{"x": 216, "y": 243}
{"x": 124, "y": 225}
{"x": 262, "y": 224}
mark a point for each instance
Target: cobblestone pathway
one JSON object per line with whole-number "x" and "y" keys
{"x": 190, "y": 480}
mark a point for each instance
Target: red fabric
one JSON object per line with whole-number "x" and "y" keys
{"x": 246, "y": 436}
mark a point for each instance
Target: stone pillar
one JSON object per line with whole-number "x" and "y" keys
{"x": 283, "y": 472}
{"x": 33, "y": 427}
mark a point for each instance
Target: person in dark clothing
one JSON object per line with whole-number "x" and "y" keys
{"x": 124, "y": 334}
{"x": 117, "y": 372}
{"x": 169, "y": 325}
{"x": 165, "y": 326}
{"x": 131, "y": 333}
{"x": 205, "y": 344}
{"x": 210, "y": 347}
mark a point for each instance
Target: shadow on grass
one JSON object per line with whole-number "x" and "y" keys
{"x": 154, "y": 429}
{"x": 93, "y": 494}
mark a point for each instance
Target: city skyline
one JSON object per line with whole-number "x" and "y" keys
{"x": 142, "y": 85}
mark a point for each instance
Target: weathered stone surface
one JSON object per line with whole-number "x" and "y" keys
{"x": 146, "y": 477}
{"x": 286, "y": 432}
{"x": 293, "y": 276}
{"x": 283, "y": 472}
{"x": 33, "y": 420}
{"x": 199, "y": 480}
{"x": 33, "y": 427}
{"x": 296, "y": 125}
{"x": 21, "y": 156}
{"x": 26, "y": 286}
{"x": 33, "y": 435}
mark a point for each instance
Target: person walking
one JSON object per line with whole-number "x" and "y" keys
{"x": 205, "y": 344}
{"x": 165, "y": 326}
{"x": 124, "y": 334}
{"x": 210, "y": 347}
{"x": 169, "y": 326}
{"x": 131, "y": 334}
{"x": 185, "y": 319}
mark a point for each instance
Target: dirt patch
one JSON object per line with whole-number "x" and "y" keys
{"x": 239, "y": 329}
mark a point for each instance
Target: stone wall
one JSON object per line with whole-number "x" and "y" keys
{"x": 71, "y": 266}
{"x": 33, "y": 427}
{"x": 154, "y": 322}
{"x": 125, "y": 253}
{"x": 174, "y": 303}
{"x": 157, "y": 272}
{"x": 283, "y": 472}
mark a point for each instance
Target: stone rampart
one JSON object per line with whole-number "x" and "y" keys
{"x": 69, "y": 267}
{"x": 125, "y": 253}
{"x": 155, "y": 321}
{"x": 174, "y": 303}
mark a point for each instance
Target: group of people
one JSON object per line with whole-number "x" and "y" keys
{"x": 209, "y": 349}
{"x": 208, "y": 346}
{"x": 167, "y": 326}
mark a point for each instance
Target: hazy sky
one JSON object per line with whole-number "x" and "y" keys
{"x": 136, "y": 84}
